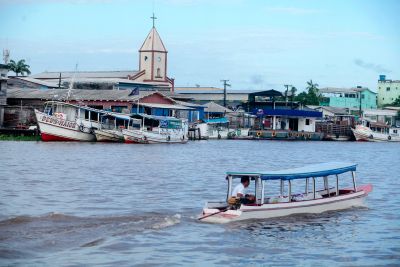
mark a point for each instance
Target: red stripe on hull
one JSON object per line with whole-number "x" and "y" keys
{"x": 51, "y": 138}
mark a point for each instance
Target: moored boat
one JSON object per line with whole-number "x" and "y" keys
{"x": 376, "y": 132}
{"x": 112, "y": 125}
{"x": 316, "y": 200}
{"x": 62, "y": 121}
{"x": 157, "y": 129}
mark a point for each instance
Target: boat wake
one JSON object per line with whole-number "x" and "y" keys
{"x": 26, "y": 235}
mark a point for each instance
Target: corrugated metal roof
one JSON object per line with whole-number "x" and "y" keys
{"x": 76, "y": 94}
{"x": 212, "y": 107}
{"x": 85, "y": 74}
{"x": 167, "y": 106}
{"x": 212, "y": 91}
{"x": 187, "y": 104}
{"x": 36, "y": 81}
{"x": 343, "y": 90}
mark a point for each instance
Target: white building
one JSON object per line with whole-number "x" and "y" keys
{"x": 388, "y": 90}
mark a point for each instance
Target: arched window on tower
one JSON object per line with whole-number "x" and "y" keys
{"x": 158, "y": 73}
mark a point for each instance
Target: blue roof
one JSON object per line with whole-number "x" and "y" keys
{"x": 309, "y": 171}
{"x": 217, "y": 120}
{"x": 288, "y": 112}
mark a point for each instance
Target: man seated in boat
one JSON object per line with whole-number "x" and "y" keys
{"x": 238, "y": 191}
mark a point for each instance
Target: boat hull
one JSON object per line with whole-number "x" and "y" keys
{"x": 143, "y": 137}
{"x": 108, "y": 136}
{"x": 286, "y": 135}
{"x": 56, "y": 129}
{"x": 265, "y": 211}
{"x": 362, "y": 133}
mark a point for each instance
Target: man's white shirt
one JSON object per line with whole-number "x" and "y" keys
{"x": 238, "y": 189}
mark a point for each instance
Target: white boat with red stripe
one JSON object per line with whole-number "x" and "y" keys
{"x": 314, "y": 200}
{"x": 62, "y": 121}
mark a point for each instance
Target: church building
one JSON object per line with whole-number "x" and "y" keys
{"x": 153, "y": 62}
{"x": 152, "y": 73}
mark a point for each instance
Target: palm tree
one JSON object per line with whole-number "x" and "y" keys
{"x": 19, "y": 67}
{"x": 312, "y": 87}
{"x": 313, "y": 93}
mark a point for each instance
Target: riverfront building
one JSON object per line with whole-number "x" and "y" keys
{"x": 388, "y": 90}
{"x": 3, "y": 91}
{"x": 350, "y": 98}
{"x": 281, "y": 115}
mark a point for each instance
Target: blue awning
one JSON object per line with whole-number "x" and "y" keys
{"x": 287, "y": 112}
{"x": 217, "y": 120}
{"x": 309, "y": 171}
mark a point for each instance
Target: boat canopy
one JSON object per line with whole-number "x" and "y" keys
{"x": 154, "y": 117}
{"x": 216, "y": 120}
{"x": 118, "y": 116}
{"x": 309, "y": 171}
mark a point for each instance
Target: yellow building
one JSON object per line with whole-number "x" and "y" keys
{"x": 388, "y": 90}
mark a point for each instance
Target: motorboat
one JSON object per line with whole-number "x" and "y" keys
{"x": 111, "y": 127}
{"x": 157, "y": 129}
{"x": 61, "y": 121}
{"x": 214, "y": 128}
{"x": 376, "y": 132}
{"x": 318, "y": 199}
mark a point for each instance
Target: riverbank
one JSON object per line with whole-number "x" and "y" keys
{"x": 6, "y": 137}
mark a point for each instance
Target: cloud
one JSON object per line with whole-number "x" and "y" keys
{"x": 371, "y": 66}
{"x": 293, "y": 10}
{"x": 257, "y": 79}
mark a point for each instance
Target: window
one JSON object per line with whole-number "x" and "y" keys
{"x": 158, "y": 73}
{"x": 395, "y": 131}
{"x": 307, "y": 121}
{"x": 387, "y": 88}
{"x": 118, "y": 109}
{"x": 145, "y": 58}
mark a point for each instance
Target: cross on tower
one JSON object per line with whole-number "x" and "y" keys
{"x": 153, "y": 18}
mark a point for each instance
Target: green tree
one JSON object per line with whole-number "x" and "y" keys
{"x": 293, "y": 91}
{"x": 313, "y": 93}
{"x": 311, "y": 97}
{"x": 19, "y": 67}
{"x": 396, "y": 103}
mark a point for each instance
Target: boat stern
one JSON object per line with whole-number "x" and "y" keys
{"x": 219, "y": 216}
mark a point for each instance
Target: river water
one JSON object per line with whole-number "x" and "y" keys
{"x": 74, "y": 204}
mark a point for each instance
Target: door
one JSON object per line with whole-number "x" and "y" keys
{"x": 294, "y": 124}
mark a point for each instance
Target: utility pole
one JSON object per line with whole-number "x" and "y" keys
{"x": 225, "y": 85}
{"x": 360, "y": 95}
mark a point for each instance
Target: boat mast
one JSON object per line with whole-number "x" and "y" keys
{"x": 71, "y": 83}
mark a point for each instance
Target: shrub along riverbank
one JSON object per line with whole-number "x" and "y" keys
{"x": 6, "y": 137}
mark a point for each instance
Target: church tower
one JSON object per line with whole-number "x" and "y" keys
{"x": 153, "y": 58}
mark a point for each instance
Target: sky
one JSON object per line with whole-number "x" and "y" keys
{"x": 255, "y": 44}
